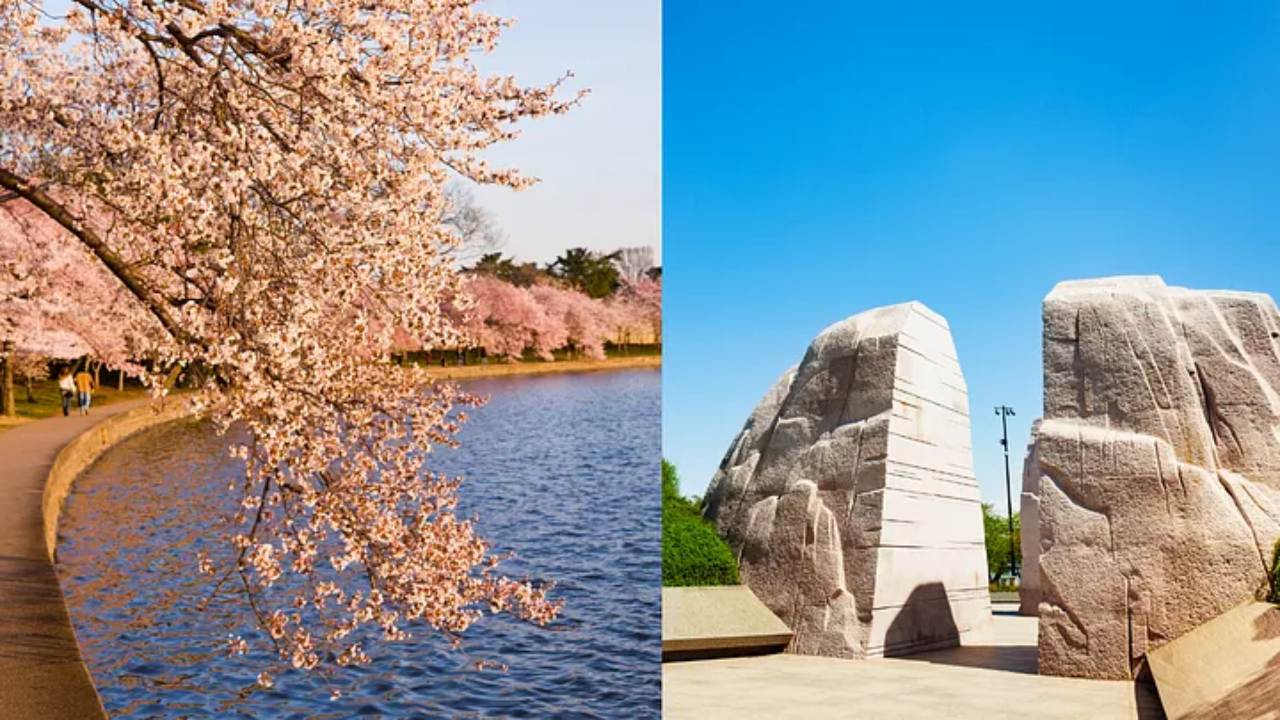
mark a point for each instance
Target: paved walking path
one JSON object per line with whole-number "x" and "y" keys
{"x": 41, "y": 672}
{"x": 995, "y": 680}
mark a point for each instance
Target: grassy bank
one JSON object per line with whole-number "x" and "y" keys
{"x": 46, "y": 401}
{"x": 494, "y": 368}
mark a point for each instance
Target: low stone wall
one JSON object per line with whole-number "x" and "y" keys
{"x": 711, "y": 622}
{"x": 80, "y": 453}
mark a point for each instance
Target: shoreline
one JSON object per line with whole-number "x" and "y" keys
{"x": 470, "y": 372}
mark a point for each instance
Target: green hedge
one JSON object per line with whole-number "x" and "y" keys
{"x": 692, "y": 552}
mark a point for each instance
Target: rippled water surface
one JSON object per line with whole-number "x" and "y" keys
{"x": 561, "y": 470}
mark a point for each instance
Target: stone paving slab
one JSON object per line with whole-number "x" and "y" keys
{"x": 719, "y": 619}
{"x": 1228, "y": 667}
{"x": 41, "y": 672}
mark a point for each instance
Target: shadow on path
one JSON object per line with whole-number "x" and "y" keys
{"x": 924, "y": 623}
{"x": 1009, "y": 650}
{"x": 1008, "y": 658}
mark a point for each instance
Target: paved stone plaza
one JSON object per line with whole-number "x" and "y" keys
{"x": 992, "y": 680}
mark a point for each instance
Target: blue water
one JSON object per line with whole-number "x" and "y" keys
{"x": 562, "y": 470}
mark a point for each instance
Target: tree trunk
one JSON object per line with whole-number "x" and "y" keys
{"x": 31, "y": 396}
{"x": 10, "y": 410}
{"x": 97, "y": 374}
{"x": 120, "y": 380}
{"x": 171, "y": 377}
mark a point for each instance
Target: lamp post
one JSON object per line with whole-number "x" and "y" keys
{"x": 1004, "y": 411}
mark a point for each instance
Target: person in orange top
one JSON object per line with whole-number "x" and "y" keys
{"x": 84, "y": 390}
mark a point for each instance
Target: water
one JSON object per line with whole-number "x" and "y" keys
{"x": 563, "y": 470}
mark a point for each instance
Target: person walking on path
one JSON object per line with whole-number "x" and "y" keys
{"x": 68, "y": 388}
{"x": 84, "y": 389}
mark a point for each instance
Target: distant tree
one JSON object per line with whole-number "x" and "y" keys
{"x": 491, "y": 264}
{"x": 475, "y": 227}
{"x": 634, "y": 263}
{"x": 507, "y": 269}
{"x": 672, "y": 500}
{"x": 504, "y": 318}
{"x": 583, "y": 321}
{"x": 29, "y": 368}
{"x": 1274, "y": 575}
{"x": 594, "y": 274}
{"x": 996, "y": 533}
{"x": 524, "y": 275}
{"x": 637, "y": 310}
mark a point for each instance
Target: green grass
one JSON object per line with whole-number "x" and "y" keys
{"x": 692, "y": 552}
{"x": 48, "y": 400}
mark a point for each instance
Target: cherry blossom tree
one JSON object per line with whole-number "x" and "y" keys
{"x": 643, "y": 301}
{"x": 265, "y": 179}
{"x": 576, "y": 320}
{"x": 29, "y": 368}
{"x": 505, "y": 319}
{"x": 56, "y": 302}
{"x": 624, "y": 320}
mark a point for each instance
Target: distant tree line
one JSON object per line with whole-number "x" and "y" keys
{"x": 596, "y": 275}
{"x": 574, "y": 305}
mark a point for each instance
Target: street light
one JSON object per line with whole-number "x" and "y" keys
{"x": 1004, "y": 411}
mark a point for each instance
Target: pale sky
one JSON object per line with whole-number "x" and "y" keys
{"x": 600, "y": 165}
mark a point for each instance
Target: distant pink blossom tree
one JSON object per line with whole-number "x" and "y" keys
{"x": 507, "y": 320}
{"x": 55, "y": 302}
{"x": 584, "y": 322}
{"x": 642, "y": 300}
{"x": 265, "y": 179}
{"x": 29, "y": 368}
{"x": 504, "y": 319}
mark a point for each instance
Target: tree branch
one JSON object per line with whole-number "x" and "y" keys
{"x": 116, "y": 264}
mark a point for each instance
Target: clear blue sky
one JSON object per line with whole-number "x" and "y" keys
{"x": 823, "y": 159}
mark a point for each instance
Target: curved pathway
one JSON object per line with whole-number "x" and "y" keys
{"x": 41, "y": 672}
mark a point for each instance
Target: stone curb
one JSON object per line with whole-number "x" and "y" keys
{"x": 83, "y": 451}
